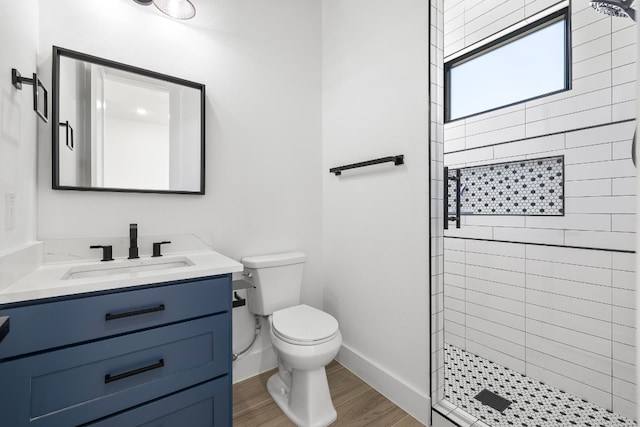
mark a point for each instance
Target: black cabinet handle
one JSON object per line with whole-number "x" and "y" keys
{"x": 110, "y": 316}
{"x": 4, "y": 327}
{"x": 111, "y": 378}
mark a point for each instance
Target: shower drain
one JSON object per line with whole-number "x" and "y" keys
{"x": 491, "y": 399}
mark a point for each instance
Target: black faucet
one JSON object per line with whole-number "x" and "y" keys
{"x": 156, "y": 248}
{"x": 107, "y": 252}
{"x": 133, "y": 241}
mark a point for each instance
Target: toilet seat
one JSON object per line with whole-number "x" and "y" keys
{"x": 303, "y": 325}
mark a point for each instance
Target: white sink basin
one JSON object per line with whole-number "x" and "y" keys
{"x": 126, "y": 267}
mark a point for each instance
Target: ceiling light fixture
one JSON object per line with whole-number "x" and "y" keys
{"x": 177, "y": 9}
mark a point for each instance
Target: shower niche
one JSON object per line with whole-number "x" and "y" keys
{"x": 526, "y": 187}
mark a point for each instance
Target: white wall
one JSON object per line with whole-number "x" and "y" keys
{"x": 134, "y": 145}
{"x": 18, "y": 121}
{"x": 375, "y": 104}
{"x": 261, "y": 66}
{"x": 185, "y": 125}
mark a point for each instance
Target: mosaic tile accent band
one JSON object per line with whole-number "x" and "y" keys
{"x": 534, "y": 404}
{"x": 527, "y": 187}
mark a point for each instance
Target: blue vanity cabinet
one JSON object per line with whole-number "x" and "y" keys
{"x": 159, "y": 355}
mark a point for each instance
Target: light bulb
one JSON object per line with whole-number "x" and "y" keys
{"x": 178, "y": 9}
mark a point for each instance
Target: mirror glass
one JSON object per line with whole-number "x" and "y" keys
{"x": 121, "y": 128}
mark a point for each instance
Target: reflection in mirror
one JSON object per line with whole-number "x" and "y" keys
{"x": 121, "y": 128}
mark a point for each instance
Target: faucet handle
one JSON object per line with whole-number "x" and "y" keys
{"x": 133, "y": 241}
{"x": 157, "y": 246}
{"x": 107, "y": 253}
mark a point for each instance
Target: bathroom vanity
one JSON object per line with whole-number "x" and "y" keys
{"x": 123, "y": 349}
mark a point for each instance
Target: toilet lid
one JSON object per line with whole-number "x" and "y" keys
{"x": 303, "y": 324}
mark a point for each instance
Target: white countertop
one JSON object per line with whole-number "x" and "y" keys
{"x": 47, "y": 281}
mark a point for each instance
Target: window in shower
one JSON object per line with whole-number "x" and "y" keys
{"x": 531, "y": 62}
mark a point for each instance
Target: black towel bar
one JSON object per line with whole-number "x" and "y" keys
{"x": 397, "y": 160}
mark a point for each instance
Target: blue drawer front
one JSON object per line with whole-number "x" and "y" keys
{"x": 206, "y": 405}
{"x": 55, "y": 324}
{"x": 68, "y": 387}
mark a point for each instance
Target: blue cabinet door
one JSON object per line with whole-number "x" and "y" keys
{"x": 205, "y": 405}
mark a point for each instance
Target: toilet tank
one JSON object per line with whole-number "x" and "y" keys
{"x": 277, "y": 279}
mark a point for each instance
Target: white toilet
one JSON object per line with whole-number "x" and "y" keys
{"x": 304, "y": 338}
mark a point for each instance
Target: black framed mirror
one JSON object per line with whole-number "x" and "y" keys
{"x": 116, "y": 127}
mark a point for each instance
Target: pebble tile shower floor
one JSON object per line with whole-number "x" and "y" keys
{"x": 534, "y": 404}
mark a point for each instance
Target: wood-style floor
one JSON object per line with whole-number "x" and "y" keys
{"x": 356, "y": 402}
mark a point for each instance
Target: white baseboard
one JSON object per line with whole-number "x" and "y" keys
{"x": 254, "y": 363}
{"x": 414, "y": 402}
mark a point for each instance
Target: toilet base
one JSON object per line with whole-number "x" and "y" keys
{"x": 308, "y": 402}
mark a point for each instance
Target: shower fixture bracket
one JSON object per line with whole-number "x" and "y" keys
{"x": 17, "y": 80}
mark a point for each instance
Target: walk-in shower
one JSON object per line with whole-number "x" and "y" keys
{"x": 533, "y": 294}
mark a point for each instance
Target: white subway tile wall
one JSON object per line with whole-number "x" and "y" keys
{"x": 564, "y": 316}
{"x": 599, "y": 190}
{"x": 604, "y": 52}
{"x": 438, "y": 318}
